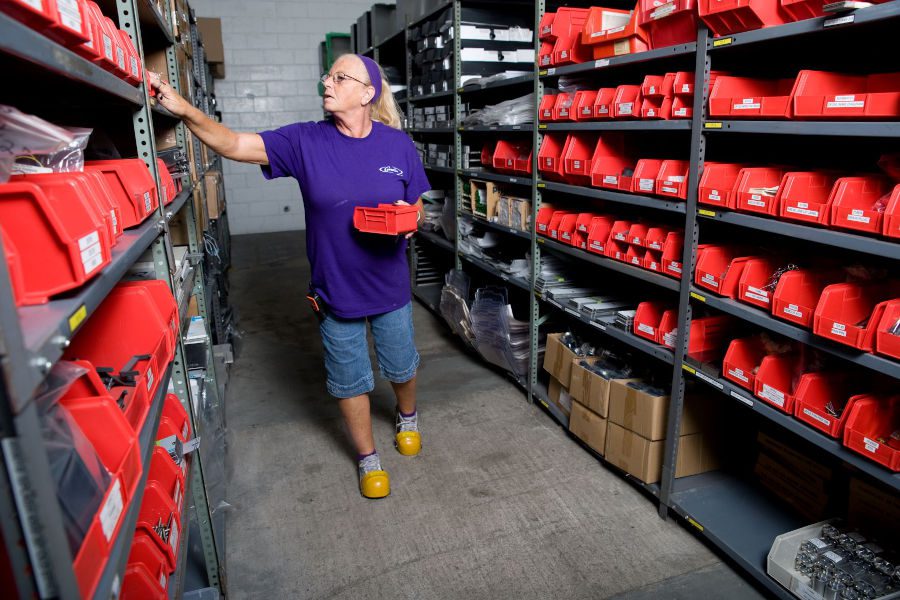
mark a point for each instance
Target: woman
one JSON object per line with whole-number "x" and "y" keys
{"x": 359, "y": 158}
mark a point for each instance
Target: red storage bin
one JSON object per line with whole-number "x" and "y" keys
{"x": 577, "y": 158}
{"x": 617, "y": 245}
{"x": 725, "y": 17}
{"x": 544, "y": 216}
{"x": 566, "y": 29}
{"x": 550, "y": 162}
{"x": 717, "y": 184}
{"x": 386, "y": 219}
{"x": 167, "y": 475}
{"x": 104, "y": 198}
{"x": 655, "y": 238}
{"x": 891, "y": 227}
{"x": 853, "y": 202}
{"x": 487, "y": 154}
{"x": 562, "y": 107}
{"x": 797, "y": 294}
{"x": 657, "y": 86}
{"x": 683, "y": 84}
{"x": 132, "y": 187}
{"x": 748, "y": 191}
{"x": 147, "y": 574}
{"x": 54, "y": 236}
{"x": 169, "y": 190}
{"x": 101, "y": 47}
{"x": 523, "y": 162}
{"x": 886, "y": 342}
{"x": 567, "y": 229}
{"x": 583, "y": 105}
{"x": 749, "y": 98}
{"x": 815, "y": 392}
{"x": 609, "y": 162}
{"x": 799, "y": 10}
{"x": 742, "y": 359}
{"x": 634, "y": 256}
{"x": 669, "y": 23}
{"x": 627, "y": 102}
{"x": 776, "y": 378}
{"x": 175, "y": 413}
{"x": 545, "y": 110}
{"x": 653, "y": 260}
{"x": 672, "y": 179}
{"x": 714, "y": 264}
{"x": 545, "y": 28}
{"x": 70, "y": 27}
{"x": 667, "y": 332}
{"x": 672, "y": 254}
{"x": 555, "y": 222}
{"x": 627, "y": 38}
{"x": 656, "y": 108}
{"x": 846, "y": 314}
{"x": 583, "y": 225}
{"x": 754, "y": 286}
{"x": 637, "y": 234}
{"x": 601, "y": 21}
{"x": 603, "y": 103}
{"x": 619, "y": 231}
{"x": 706, "y": 342}
{"x": 512, "y": 157}
{"x": 646, "y": 172}
{"x": 805, "y": 196}
{"x": 647, "y": 318}
{"x": 869, "y": 429}
{"x": 158, "y": 507}
{"x": 545, "y": 54}
{"x": 37, "y": 14}
{"x": 682, "y": 107}
{"x": 824, "y": 95}
{"x": 160, "y": 300}
{"x": 599, "y": 234}
{"x": 132, "y": 59}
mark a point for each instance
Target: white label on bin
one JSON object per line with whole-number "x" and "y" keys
{"x": 839, "y": 329}
{"x": 652, "y": 89}
{"x": 747, "y": 104}
{"x": 115, "y": 221}
{"x": 793, "y": 310}
{"x": 835, "y": 558}
{"x": 709, "y": 279}
{"x": 603, "y": 109}
{"x": 669, "y": 190}
{"x": 871, "y": 445}
{"x": 709, "y": 380}
{"x": 796, "y": 210}
{"x": 134, "y": 66}
{"x": 120, "y": 56}
{"x": 756, "y": 290}
{"x": 564, "y": 112}
{"x": 675, "y": 179}
{"x": 636, "y": 261}
{"x": 112, "y": 510}
{"x": 148, "y": 203}
{"x": 675, "y": 267}
{"x": 597, "y": 246}
{"x": 681, "y": 112}
{"x": 839, "y": 21}
{"x": 857, "y": 217}
{"x": 564, "y": 54}
{"x": 669, "y": 338}
{"x": 621, "y": 237}
{"x": 35, "y": 4}
{"x": 654, "y": 245}
{"x": 817, "y": 417}
{"x": 177, "y": 492}
{"x": 597, "y": 34}
{"x": 636, "y": 241}
{"x": 173, "y": 536}
{"x": 663, "y": 11}
{"x": 772, "y": 395}
{"x": 616, "y": 29}
{"x": 69, "y": 14}
{"x": 761, "y": 297}
{"x": 576, "y": 164}
{"x": 107, "y": 47}
{"x": 645, "y": 185}
{"x": 739, "y": 374}
{"x": 626, "y": 108}
{"x": 586, "y": 110}
{"x": 651, "y": 113}
{"x": 149, "y": 378}
{"x": 162, "y": 580}
{"x": 611, "y": 179}
{"x": 91, "y": 252}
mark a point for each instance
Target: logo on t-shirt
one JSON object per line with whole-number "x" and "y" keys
{"x": 394, "y": 170}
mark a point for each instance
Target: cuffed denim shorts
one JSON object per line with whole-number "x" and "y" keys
{"x": 347, "y": 364}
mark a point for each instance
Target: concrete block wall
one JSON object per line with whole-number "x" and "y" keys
{"x": 272, "y": 68}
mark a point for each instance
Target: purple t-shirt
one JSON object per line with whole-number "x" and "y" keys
{"x": 356, "y": 274}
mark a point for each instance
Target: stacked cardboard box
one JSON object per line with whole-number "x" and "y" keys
{"x": 558, "y": 361}
{"x": 211, "y": 36}
{"x": 590, "y": 405}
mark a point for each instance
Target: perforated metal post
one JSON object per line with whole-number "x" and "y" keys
{"x": 535, "y": 321}
{"x": 689, "y": 255}
{"x": 457, "y": 119}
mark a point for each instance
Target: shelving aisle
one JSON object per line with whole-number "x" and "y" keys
{"x": 34, "y": 338}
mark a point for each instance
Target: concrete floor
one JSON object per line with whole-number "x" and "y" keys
{"x": 500, "y": 504}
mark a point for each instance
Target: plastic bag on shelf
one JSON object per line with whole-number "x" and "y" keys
{"x": 69, "y": 159}
{"x": 81, "y": 479}
{"x": 499, "y": 337}
{"x": 24, "y": 134}
{"x": 509, "y": 112}
{"x": 454, "y": 305}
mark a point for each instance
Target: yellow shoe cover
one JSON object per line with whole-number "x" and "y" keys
{"x": 408, "y": 443}
{"x": 375, "y": 484}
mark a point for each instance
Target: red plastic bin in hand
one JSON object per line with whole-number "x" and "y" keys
{"x": 891, "y": 221}
{"x": 550, "y": 161}
{"x": 646, "y": 172}
{"x": 825, "y": 95}
{"x": 627, "y": 102}
{"x": 562, "y": 107}
{"x": 775, "y": 380}
{"x": 706, "y": 342}
{"x": 753, "y": 191}
{"x": 854, "y": 202}
{"x": 668, "y": 23}
{"x": 799, "y": 10}
{"x": 578, "y": 156}
{"x": 717, "y": 184}
{"x": 870, "y": 427}
{"x": 147, "y": 574}
{"x": 749, "y": 98}
{"x": 386, "y": 219}
{"x": 815, "y": 392}
{"x": 603, "y": 103}
{"x": 545, "y": 110}
{"x": 157, "y": 507}
{"x": 672, "y": 254}
{"x": 725, "y": 17}
{"x": 583, "y": 105}
{"x": 846, "y": 314}
{"x": 54, "y": 236}
{"x": 887, "y": 336}
{"x": 610, "y": 161}
{"x": 132, "y": 187}
{"x": 672, "y": 179}
{"x": 555, "y": 222}
{"x": 647, "y": 318}
{"x": 756, "y": 284}
{"x": 742, "y": 359}
{"x": 797, "y": 294}
{"x": 567, "y": 229}
{"x": 598, "y": 236}
{"x": 806, "y": 196}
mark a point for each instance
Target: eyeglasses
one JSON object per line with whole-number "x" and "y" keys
{"x": 340, "y": 78}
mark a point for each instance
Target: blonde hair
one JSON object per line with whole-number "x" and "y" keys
{"x": 386, "y": 110}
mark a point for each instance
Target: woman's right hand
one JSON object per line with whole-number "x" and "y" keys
{"x": 168, "y": 97}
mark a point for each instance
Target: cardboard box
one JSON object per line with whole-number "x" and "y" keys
{"x": 193, "y": 307}
{"x": 643, "y": 458}
{"x": 588, "y": 426}
{"x": 166, "y": 139}
{"x": 211, "y": 36}
{"x": 589, "y": 388}
{"x": 156, "y": 62}
{"x": 638, "y": 411}
{"x": 215, "y": 197}
{"x": 558, "y": 359}
{"x": 559, "y": 396}
{"x": 178, "y": 231}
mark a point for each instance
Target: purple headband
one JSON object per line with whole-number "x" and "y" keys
{"x": 374, "y": 75}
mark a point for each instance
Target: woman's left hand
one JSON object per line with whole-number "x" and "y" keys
{"x": 418, "y": 216}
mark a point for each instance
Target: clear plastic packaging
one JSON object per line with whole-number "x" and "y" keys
{"x": 24, "y": 134}
{"x": 69, "y": 159}
{"x": 509, "y": 112}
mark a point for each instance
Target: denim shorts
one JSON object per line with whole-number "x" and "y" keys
{"x": 347, "y": 364}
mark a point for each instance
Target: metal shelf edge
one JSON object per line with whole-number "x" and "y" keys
{"x": 491, "y": 176}
{"x": 875, "y": 129}
{"x": 472, "y": 88}
{"x": 541, "y": 394}
{"x": 485, "y": 266}
{"x": 612, "y": 196}
{"x": 606, "y": 63}
{"x": 501, "y": 228}
{"x": 436, "y": 239}
{"x": 635, "y": 125}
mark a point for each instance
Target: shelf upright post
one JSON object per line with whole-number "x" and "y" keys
{"x": 457, "y": 119}
{"x": 534, "y": 306}
{"x": 689, "y": 255}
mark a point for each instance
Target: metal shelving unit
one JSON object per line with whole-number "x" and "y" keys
{"x": 864, "y": 129}
{"x": 498, "y": 177}
{"x": 34, "y": 338}
{"x": 618, "y": 61}
{"x": 496, "y": 227}
{"x": 488, "y": 267}
{"x": 436, "y": 239}
{"x": 612, "y": 196}
{"x": 679, "y": 125}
